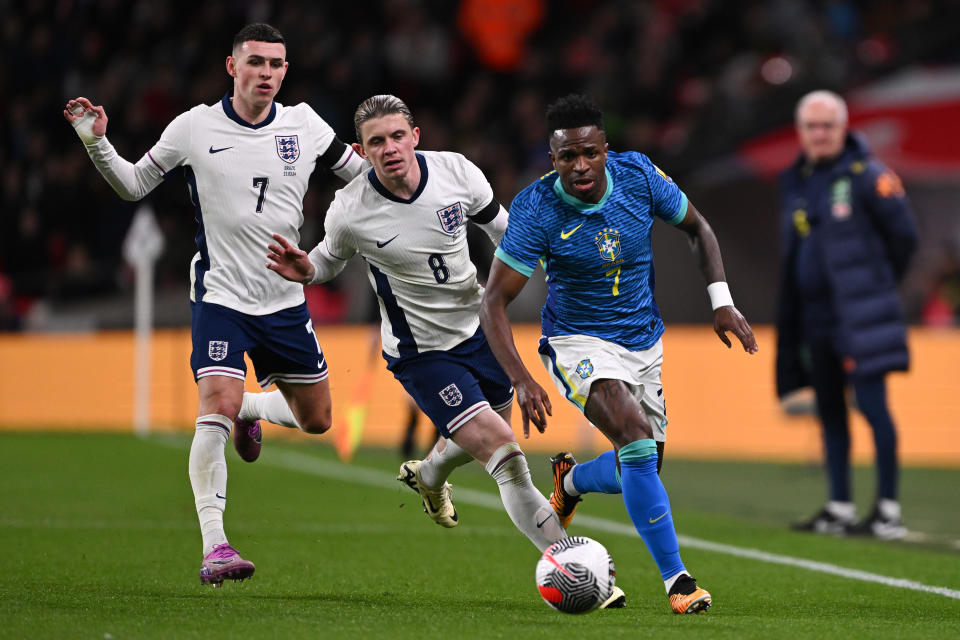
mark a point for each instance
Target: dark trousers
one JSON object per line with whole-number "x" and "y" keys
{"x": 829, "y": 383}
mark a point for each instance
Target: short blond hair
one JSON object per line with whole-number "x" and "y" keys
{"x": 377, "y": 107}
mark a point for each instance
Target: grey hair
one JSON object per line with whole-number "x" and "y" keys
{"x": 377, "y": 107}
{"x": 822, "y": 95}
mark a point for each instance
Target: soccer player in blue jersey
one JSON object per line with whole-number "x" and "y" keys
{"x": 589, "y": 224}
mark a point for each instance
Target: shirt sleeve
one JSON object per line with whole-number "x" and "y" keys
{"x": 669, "y": 202}
{"x": 338, "y": 238}
{"x": 481, "y": 193}
{"x": 321, "y": 132}
{"x": 134, "y": 181}
{"x": 332, "y": 152}
{"x": 524, "y": 241}
{"x": 170, "y": 151}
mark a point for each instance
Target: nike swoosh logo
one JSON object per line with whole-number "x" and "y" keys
{"x": 660, "y": 517}
{"x": 221, "y": 497}
{"x": 540, "y": 524}
{"x": 381, "y": 245}
{"x": 566, "y": 234}
{"x": 212, "y": 150}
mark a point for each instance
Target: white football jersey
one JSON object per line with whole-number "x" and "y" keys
{"x": 416, "y": 251}
{"x": 246, "y": 183}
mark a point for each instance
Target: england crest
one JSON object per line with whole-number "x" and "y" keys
{"x": 608, "y": 242}
{"x": 451, "y": 395}
{"x": 451, "y": 218}
{"x": 288, "y": 148}
{"x": 217, "y": 349}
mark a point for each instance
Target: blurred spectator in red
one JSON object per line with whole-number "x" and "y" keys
{"x": 498, "y": 29}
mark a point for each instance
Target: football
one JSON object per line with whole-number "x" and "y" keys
{"x": 575, "y": 575}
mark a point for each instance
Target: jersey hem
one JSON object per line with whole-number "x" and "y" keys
{"x": 231, "y": 303}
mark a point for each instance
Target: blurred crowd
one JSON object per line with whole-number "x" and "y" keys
{"x": 685, "y": 81}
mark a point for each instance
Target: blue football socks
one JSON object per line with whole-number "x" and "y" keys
{"x": 647, "y": 504}
{"x": 597, "y": 476}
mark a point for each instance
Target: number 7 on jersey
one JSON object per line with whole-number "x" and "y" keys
{"x": 263, "y": 183}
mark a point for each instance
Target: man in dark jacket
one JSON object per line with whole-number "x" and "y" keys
{"x": 848, "y": 235}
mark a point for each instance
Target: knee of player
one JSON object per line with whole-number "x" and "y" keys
{"x": 631, "y": 431}
{"x": 317, "y": 423}
{"x": 507, "y": 462}
{"x": 224, "y": 407}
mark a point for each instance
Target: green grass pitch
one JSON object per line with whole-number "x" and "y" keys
{"x": 98, "y": 539}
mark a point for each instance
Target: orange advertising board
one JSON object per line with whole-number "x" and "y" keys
{"x": 720, "y": 402}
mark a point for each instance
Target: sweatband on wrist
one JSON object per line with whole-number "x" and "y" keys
{"x": 84, "y": 127}
{"x": 719, "y": 294}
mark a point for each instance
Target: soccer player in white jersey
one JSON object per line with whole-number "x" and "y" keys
{"x": 406, "y": 218}
{"x": 246, "y": 160}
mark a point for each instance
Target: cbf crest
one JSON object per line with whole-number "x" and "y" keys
{"x": 217, "y": 349}
{"x": 451, "y": 218}
{"x": 288, "y": 148}
{"x": 840, "y": 198}
{"x": 451, "y": 395}
{"x": 585, "y": 368}
{"x": 608, "y": 242}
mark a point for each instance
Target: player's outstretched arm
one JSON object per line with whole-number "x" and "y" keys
{"x": 502, "y": 287}
{"x": 725, "y": 315}
{"x": 130, "y": 181}
{"x": 289, "y": 261}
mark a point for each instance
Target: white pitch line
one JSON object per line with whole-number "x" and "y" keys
{"x": 311, "y": 465}
{"x": 611, "y": 526}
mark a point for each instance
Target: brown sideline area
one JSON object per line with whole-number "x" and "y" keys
{"x": 720, "y": 402}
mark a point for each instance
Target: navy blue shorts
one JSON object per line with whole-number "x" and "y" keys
{"x": 281, "y": 345}
{"x": 453, "y": 386}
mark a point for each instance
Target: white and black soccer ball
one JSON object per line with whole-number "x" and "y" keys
{"x": 575, "y": 575}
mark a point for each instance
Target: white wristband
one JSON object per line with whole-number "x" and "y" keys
{"x": 84, "y": 127}
{"x": 719, "y": 294}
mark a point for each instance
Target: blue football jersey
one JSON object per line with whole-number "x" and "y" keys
{"x": 598, "y": 257}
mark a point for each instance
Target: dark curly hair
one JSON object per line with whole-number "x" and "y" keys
{"x": 574, "y": 111}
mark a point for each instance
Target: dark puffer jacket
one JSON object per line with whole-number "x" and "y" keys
{"x": 847, "y": 237}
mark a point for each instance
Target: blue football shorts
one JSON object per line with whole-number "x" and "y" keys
{"x": 453, "y": 386}
{"x": 282, "y": 346}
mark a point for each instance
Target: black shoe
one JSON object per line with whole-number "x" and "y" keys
{"x": 879, "y": 526}
{"x": 825, "y": 522}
